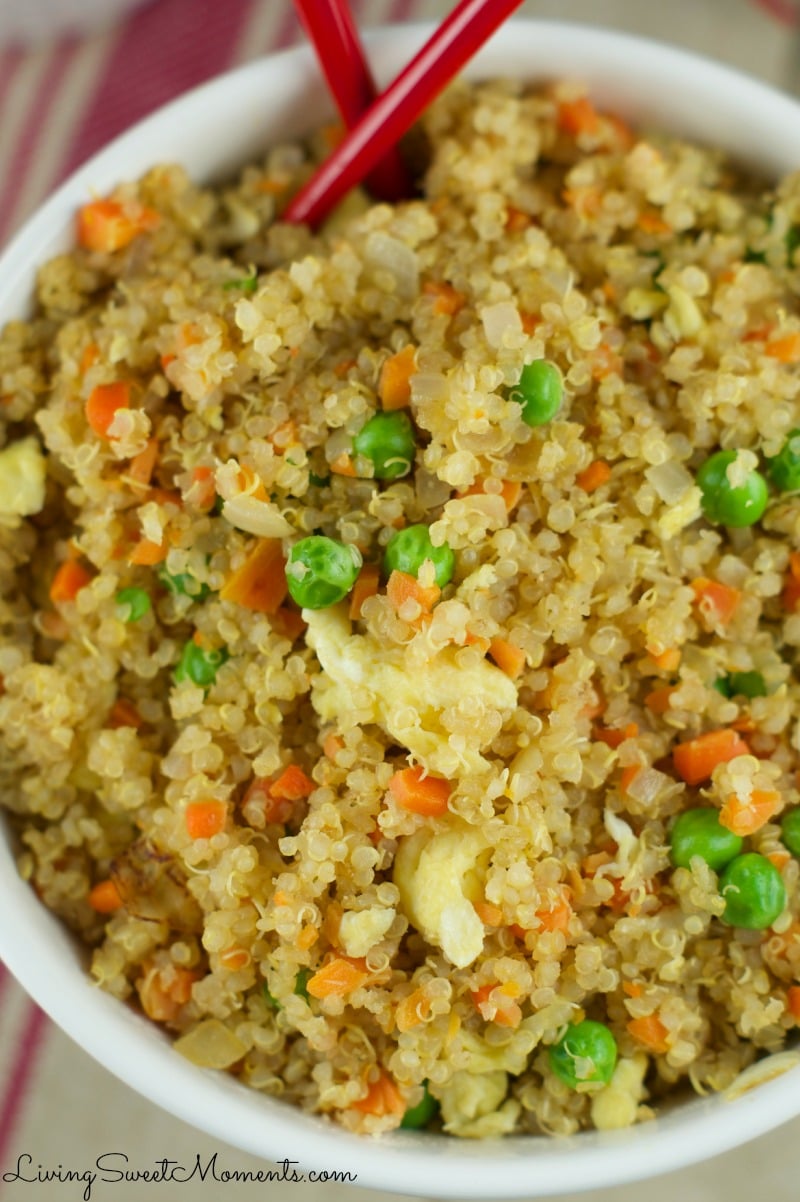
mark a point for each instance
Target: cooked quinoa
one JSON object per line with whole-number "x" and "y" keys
{"x": 382, "y": 857}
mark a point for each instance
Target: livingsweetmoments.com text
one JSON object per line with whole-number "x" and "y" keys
{"x": 114, "y": 1168}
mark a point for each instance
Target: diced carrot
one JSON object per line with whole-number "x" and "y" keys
{"x": 659, "y": 700}
{"x": 594, "y": 476}
{"x": 107, "y": 225}
{"x": 91, "y": 353}
{"x": 578, "y": 117}
{"x": 745, "y": 816}
{"x": 696, "y": 759}
{"x": 421, "y": 794}
{"x": 791, "y": 585}
{"x": 490, "y": 916}
{"x": 383, "y": 1098}
{"x": 343, "y": 465}
{"x": 288, "y": 623}
{"x": 205, "y": 818}
{"x": 632, "y": 988}
{"x": 279, "y": 898}
{"x": 235, "y": 958}
{"x": 105, "y": 897}
{"x": 366, "y": 585}
{"x": 341, "y": 369}
{"x": 516, "y": 220}
{"x": 102, "y": 404}
{"x": 650, "y": 221}
{"x": 793, "y": 1001}
{"x": 785, "y": 350}
{"x": 292, "y": 785}
{"x": 557, "y": 918}
{"x": 403, "y": 587}
{"x": 146, "y": 553}
{"x": 338, "y": 977}
{"x": 394, "y": 386}
{"x": 307, "y": 937}
{"x": 506, "y": 1013}
{"x": 70, "y": 577}
{"x": 332, "y": 745}
{"x": 530, "y": 321}
{"x": 163, "y": 991}
{"x": 614, "y": 736}
{"x": 650, "y": 1032}
{"x": 779, "y": 859}
{"x": 628, "y": 776}
{"x": 447, "y": 300}
{"x": 124, "y": 713}
{"x": 258, "y": 796}
{"x": 667, "y": 660}
{"x": 585, "y": 199}
{"x": 412, "y": 1011}
{"x": 251, "y": 483}
{"x": 140, "y": 468}
{"x": 716, "y": 602}
{"x": 510, "y": 491}
{"x": 260, "y": 583}
{"x": 285, "y": 435}
{"x": 597, "y": 859}
{"x": 606, "y": 362}
{"x": 203, "y": 488}
{"x": 508, "y": 657}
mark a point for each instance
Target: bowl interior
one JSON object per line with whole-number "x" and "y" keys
{"x": 212, "y": 131}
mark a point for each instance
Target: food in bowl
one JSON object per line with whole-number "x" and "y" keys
{"x": 399, "y": 622}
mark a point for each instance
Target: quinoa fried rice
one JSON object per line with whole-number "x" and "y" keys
{"x": 241, "y": 843}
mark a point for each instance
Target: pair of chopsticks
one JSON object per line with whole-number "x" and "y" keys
{"x": 376, "y": 123}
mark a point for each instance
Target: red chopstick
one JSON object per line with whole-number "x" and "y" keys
{"x": 470, "y": 24}
{"x": 332, "y": 31}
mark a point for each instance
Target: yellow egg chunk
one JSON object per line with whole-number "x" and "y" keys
{"x": 375, "y": 681}
{"x": 439, "y": 874}
{"x": 22, "y": 479}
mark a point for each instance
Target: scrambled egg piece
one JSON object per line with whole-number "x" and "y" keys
{"x": 438, "y": 874}
{"x": 22, "y": 480}
{"x": 360, "y": 930}
{"x": 363, "y": 676}
{"x": 616, "y": 1105}
{"x": 473, "y": 1105}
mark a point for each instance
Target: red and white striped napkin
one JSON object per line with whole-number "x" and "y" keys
{"x": 59, "y": 102}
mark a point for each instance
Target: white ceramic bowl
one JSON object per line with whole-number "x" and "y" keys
{"x": 212, "y": 131}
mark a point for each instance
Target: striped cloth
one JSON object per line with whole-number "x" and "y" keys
{"x": 58, "y": 103}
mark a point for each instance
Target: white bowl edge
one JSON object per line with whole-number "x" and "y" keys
{"x": 212, "y": 130}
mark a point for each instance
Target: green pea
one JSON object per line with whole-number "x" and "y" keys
{"x": 790, "y": 831}
{"x": 183, "y": 584}
{"x": 754, "y": 892}
{"x": 728, "y": 504}
{"x": 417, "y": 1117}
{"x": 540, "y": 391}
{"x": 699, "y": 832}
{"x": 198, "y": 664}
{"x": 784, "y": 469}
{"x": 321, "y": 571}
{"x": 746, "y": 684}
{"x": 245, "y": 283}
{"x": 271, "y": 1001}
{"x": 136, "y": 601}
{"x": 585, "y": 1056}
{"x": 388, "y": 441}
{"x": 407, "y": 550}
{"x": 300, "y": 982}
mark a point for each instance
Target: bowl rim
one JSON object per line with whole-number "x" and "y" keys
{"x": 127, "y": 1044}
